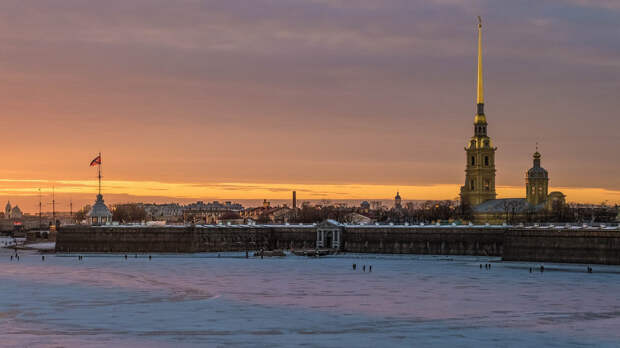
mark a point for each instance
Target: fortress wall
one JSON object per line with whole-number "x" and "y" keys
{"x": 290, "y": 237}
{"x": 571, "y": 246}
{"x": 370, "y": 239}
{"x": 80, "y": 238}
{"x": 420, "y": 240}
{"x": 597, "y": 246}
{"x": 233, "y": 238}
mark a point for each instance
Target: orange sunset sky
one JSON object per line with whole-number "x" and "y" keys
{"x": 335, "y": 99}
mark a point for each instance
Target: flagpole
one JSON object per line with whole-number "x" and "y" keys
{"x": 99, "y": 171}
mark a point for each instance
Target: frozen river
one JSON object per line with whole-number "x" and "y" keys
{"x": 202, "y": 300}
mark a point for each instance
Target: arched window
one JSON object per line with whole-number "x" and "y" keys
{"x": 486, "y": 160}
{"x": 471, "y": 184}
{"x": 473, "y": 160}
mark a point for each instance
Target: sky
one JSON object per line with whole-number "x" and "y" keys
{"x": 198, "y": 99}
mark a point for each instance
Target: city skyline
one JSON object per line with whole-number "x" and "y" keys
{"x": 82, "y": 193}
{"x": 192, "y": 107}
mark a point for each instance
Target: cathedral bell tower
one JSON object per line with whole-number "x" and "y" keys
{"x": 537, "y": 182}
{"x": 480, "y": 153}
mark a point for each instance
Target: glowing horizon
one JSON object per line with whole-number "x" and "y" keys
{"x": 116, "y": 191}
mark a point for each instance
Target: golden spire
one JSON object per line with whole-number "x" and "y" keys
{"x": 480, "y": 118}
{"x": 480, "y": 98}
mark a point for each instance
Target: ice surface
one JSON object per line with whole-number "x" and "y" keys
{"x": 41, "y": 246}
{"x": 10, "y": 241}
{"x": 202, "y": 300}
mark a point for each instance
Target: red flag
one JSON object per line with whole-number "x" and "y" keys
{"x": 96, "y": 161}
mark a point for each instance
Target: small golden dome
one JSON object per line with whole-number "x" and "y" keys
{"x": 480, "y": 119}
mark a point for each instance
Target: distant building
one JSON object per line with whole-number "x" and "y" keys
{"x": 16, "y": 213}
{"x": 397, "y": 201}
{"x": 12, "y": 212}
{"x": 167, "y": 211}
{"x": 365, "y": 206}
{"x": 231, "y": 218}
{"x": 214, "y": 206}
{"x": 269, "y": 214}
{"x": 357, "y": 219}
{"x": 209, "y": 212}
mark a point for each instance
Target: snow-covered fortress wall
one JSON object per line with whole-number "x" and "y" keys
{"x": 425, "y": 240}
{"x": 559, "y": 244}
{"x": 363, "y": 239}
{"x": 587, "y": 245}
{"x": 182, "y": 239}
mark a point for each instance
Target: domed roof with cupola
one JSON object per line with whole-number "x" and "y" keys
{"x": 99, "y": 209}
{"x": 537, "y": 171}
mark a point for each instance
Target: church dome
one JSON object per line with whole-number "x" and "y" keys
{"x": 100, "y": 210}
{"x": 537, "y": 171}
{"x": 16, "y": 210}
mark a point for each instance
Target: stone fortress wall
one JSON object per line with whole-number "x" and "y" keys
{"x": 599, "y": 245}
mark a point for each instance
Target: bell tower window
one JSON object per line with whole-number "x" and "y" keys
{"x": 473, "y": 160}
{"x": 486, "y": 160}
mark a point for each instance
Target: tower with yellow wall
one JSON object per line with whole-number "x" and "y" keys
{"x": 480, "y": 153}
{"x": 537, "y": 182}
